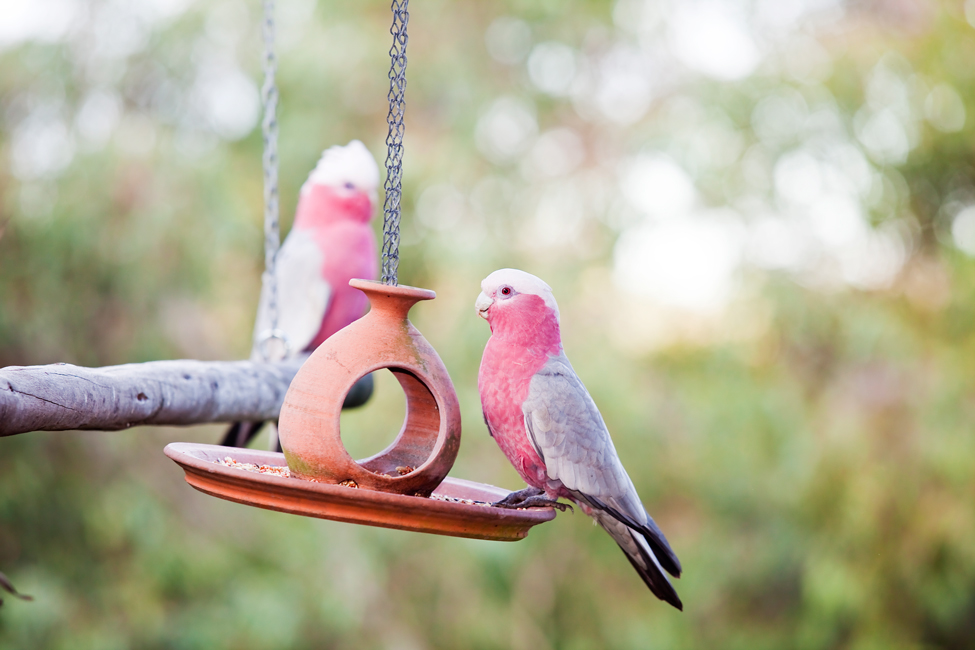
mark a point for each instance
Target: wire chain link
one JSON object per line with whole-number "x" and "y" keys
{"x": 269, "y": 126}
{"x": 394, "y": 141}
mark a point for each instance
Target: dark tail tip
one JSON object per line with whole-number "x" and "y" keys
{"x": 241, "y": 433}
{"x": 654, "y": 578}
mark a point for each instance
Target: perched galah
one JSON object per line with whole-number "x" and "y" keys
{"x": 330, "y": 243}
{"x": 541, "y": 415}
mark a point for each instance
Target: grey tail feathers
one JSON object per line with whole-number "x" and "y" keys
{"x": 650, "y": 531}
{"x": 652, "y": 575}
{"x": 640, "y": 544}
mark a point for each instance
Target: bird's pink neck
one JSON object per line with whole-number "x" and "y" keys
{"x": 321, "y": 205}
{"x": 527, "y": 323}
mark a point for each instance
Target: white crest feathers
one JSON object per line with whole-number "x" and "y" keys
{"x": 349, "y": 164}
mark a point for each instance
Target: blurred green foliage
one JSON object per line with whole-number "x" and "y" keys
{"x": 808, "y": 450}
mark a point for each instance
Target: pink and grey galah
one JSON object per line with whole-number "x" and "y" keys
{"x": 330, "y": 243}
{"x": 543, "y": 418}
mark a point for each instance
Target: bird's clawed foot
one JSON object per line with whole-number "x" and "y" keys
{"x": 530, "y": 497}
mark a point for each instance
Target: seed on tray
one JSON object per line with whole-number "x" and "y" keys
{"x": 283, "y": 471}
{"x": 470, "y": 502}
{"x": 273, "y": 470}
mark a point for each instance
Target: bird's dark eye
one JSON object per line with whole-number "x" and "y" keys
{"x": 350, "y": 186}
{"x": 505, "y": 291}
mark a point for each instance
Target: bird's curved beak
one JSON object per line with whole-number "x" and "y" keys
{"x": 482, "y": 304}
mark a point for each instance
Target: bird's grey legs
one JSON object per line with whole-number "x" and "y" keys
{"x": 530, "y": 497}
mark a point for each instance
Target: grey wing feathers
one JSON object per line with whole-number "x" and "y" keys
{"x": 303, "y": 295}
{"x": 570, "y": 436}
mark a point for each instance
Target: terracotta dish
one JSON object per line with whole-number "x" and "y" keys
{"x": 444, "y": 513}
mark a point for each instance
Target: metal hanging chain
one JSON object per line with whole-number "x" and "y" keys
{"x": 394, "y": 141}
{"x": 272, "y": 237}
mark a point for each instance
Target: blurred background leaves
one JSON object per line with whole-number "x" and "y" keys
{"x": 758, "y": 217}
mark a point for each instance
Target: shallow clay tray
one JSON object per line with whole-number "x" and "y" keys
{"x": 206, "y": 472}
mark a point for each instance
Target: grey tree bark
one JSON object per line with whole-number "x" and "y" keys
{"x": 62, "y": 397}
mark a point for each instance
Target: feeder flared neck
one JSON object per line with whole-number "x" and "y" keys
{"x": 391, "y": 301}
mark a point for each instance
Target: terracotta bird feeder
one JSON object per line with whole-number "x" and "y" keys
{"x": 405, "y": 486}
{"x": 421, "y": 455}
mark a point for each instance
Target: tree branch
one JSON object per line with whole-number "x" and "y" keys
{"x": 62, "y": 397}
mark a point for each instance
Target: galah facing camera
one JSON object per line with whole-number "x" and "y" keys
{"x": 330, "y": 243}
{"x": 541, "y": 415}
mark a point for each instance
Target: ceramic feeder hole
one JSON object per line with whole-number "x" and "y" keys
{"x": 371, "y": 428}
{"x": 416, "y": 440}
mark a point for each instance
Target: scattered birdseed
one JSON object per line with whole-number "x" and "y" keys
{"x": 283, "y": 471}
{"x": 470, "y": 502}
{"x": 273, "y": 470}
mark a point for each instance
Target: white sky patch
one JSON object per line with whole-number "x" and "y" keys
{"x": 780, "y": 14}
{"x": 803, "y": 176}
{"x": 688, "y": 263}
{"x": 119, "y": 30}
{"x": 886, "y": 124}
{"x": 885, "y": 136}
{"x": 837, "y": 221}
{"x": 228, "y": 99}
{"x": 888, "y": 87}
{"x": 874, "y": 260}
{"x": 167, "y": 9}
{"x": 847, "y": 169}
{"x": 797, "y": 177}
{"x": 789, "y": 15}
{"x": 775, "y": 244}
{"x": 963, "y": 230}
{"x": 714, "y": 38}
{"x": 616, "y": 86}
{"x": 825, "y": 121}
{"x": 657, "y": 186}
{"x": 41, "y": 146}
{"x": 552, "y": 67}
{"x": 506, "y": 129}
{"x": 98, "y": 116}
{"x": 822, "y": 232}
{"x": 46, "y": 21}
